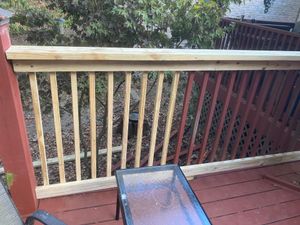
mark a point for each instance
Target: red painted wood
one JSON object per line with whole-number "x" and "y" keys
{"x": 245, "y": 114}
{"x": 234, "y": 114}
{"x": 259, "y": 105}
{"x": 222, "y": 118}
{"x": 266, "y": 215}
{"x": 263, "y": 127}
{"x": 211, "y": 111}
{"x": 14, "y": 146}
{"x": 185, "y": 108}
{"x": 221, "y": 194}
{"x": 248, "y": 202}
{"x": 197, "y": 117}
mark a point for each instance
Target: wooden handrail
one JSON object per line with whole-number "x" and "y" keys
{"x": 143, "y": 54}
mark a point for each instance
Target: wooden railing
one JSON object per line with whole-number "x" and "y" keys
{"x": 49, "y": 61}
{"x": 248, "y": 36}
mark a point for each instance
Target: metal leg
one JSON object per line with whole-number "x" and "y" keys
{"x": 118, "y": 207}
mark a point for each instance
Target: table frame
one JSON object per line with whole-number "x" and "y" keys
{"x": 180, "y": 175}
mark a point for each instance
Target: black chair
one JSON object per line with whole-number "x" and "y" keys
{"x": 9, "y": 214}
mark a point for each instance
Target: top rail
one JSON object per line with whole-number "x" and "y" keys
{"x": 144, "y": 54}
{"x": 49, "y": 59}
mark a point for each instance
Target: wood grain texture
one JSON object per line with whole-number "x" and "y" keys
{"x": 189, "y": 171}
{"x": 112, "y": 66}
{"x": 57, "y": 126}
{"x": 76, "y": 124}
{"x": 143, "y": 54}
{"x": 168, "y": 127}
{"x": 110, "y": 102}
{"x": 159, "y": 89}
{"x": 93, "y": 132}
{"x": 126, "y": 119}
{"x": 39, "y": 126}
{"x": 138, "y": 148}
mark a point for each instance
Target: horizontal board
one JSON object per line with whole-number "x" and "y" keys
{"x": 189, "y": 171}
{"x": 82, "y": 66}
{"x": 58, "y": 53}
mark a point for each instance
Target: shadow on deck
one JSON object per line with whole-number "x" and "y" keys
{"x": 236, "y": 197}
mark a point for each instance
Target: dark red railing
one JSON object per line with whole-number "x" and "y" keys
{"x": 243, "y": 113}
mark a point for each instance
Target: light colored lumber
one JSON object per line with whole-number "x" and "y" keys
{"x": 75, "y": 187}
{"x": 257, "y": 161}
{"x": 92, "y": 90}
{"x": 39, "y": 126}
{"x": 189, "y": 171}
{"x": 126, "y": 119}
{"x": 168, "y": 127}
{"x": 57, "y": 127}
{"x": 155, "y": 118}
{"x": 138, "y": 148}
{"x": 76, "y": 124}
{"x": 110, "y": 101}
{"x": 66, "y": 66}
{"x": 143, "y": 54}
{"x": 72, "y": 157}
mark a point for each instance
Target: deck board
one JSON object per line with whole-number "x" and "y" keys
{"x": 236, "y": 197}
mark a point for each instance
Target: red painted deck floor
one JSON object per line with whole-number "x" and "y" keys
{"x": 238, "y": 197}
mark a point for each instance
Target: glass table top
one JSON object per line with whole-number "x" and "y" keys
{"x": 158, "y": 195}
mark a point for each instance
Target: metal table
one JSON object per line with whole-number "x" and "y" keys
{"x": 157, "y": 195}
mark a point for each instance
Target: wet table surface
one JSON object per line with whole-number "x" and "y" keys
{"x": 158, "y": 195}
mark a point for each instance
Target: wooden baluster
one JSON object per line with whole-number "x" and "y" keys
{"x": 93, "y": 132}
{"x": 259, "y": 40}
{"x": 211, "y": 111}
{"x": 265, "y": 129}
{"x": 76, "y": 124}
{"x": 170, "y": 117}
{"x": 271, "y": 40}
{"x": 155, "y": 118}
{"x": 223, "y": 115}
{"x": 245, "y": 114}
{"x": 197, "y": 116}
{"x": 185, "y": 108}
{"x": 110, "y": 101}
{"x": 57, "y": 126}
{"x": 288, "y": 85}
{"x": 141, "y": 120}
{"x": 126, "y": 119}
{"x": 234, "y": 114}
{"x": 261, "y": 99}
{"x": 39, "y": 126}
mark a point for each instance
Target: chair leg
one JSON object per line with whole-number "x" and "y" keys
{"x": 118, "y": 207}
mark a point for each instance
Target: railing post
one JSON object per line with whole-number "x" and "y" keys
{"x": 14, "y": 146}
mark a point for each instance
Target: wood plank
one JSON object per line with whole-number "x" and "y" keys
{"x": 57, "y": 126}
{"x": 67, "y": 158}
{"x": 185, "y": 108}
{"x": 197, "y": 116}
{"x": 248, "y": 202}
{"x": 189, "y": 171}
{"x": 39, "y": 126}
{"x": 223, "y": 115}
{"x": 234, "y": 191}
{"x": 138, "y": 148}
{"x": 58, "y": 53}
{"x": 110, "y": 115}
{"x": 157, "y": 102}
{"x": 211, "y": 111}
{"x": 206, "y": 168}
{"x": 264, "y": 215}
{"x": 76, "y": 124}
{"x": 93, "y": 134}
{"x": 111, "y": 66}
{"x": 126, "y": 119}
{"x": 244, "y": 116}
{"x": 171, "y": 109}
